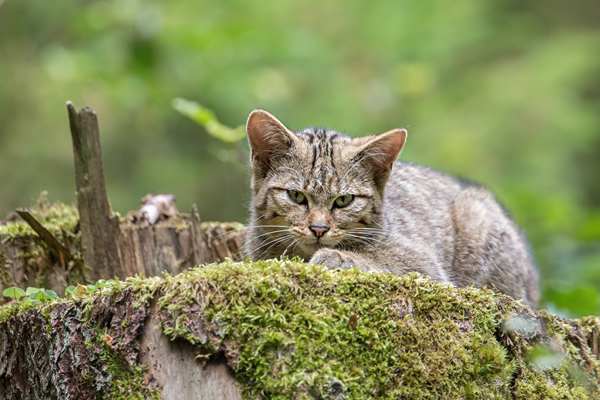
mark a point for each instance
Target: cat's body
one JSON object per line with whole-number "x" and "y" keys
{"x": 319, "y": 195}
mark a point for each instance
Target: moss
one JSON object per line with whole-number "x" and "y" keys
{"x": 214, "y": 224}
{"x": 58, "y": 218}
{"x": 12, "y": 309}
{"x": 100, "y": 330}
{"x": 126, "y": 381}
{"x": 62, "y": 221}
{"x": 291, "y": 330}
{"x": 589, "y": 323}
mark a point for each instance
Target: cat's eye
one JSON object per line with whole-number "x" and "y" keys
{"x": 296, "y": 197}
{"x": 343, "y": 201}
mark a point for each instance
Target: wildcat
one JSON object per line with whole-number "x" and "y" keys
{"x": 344, "y": 202}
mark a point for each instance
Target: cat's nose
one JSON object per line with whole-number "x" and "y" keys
{"x": 319, "y": 230}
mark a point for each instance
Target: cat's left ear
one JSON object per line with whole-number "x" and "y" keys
{"x": 381, "y": 151}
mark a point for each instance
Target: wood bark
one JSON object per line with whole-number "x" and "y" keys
{"x": 99, "y": 228}
{"x": 62, "y": 358}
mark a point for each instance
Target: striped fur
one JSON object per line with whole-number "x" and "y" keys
{"x": 426, "y": 222}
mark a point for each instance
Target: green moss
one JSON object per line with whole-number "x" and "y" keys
{"x": 58, "y": 218}
{"x": 230, "y": 225}
{"x": 589, "y": 323}
{"x": 126, "y": 381}
{"x": 292, "y": 330}
{"x": 62, "y": 221}
{"x": 12, "y": 310}
{"x": 301, "y": 331}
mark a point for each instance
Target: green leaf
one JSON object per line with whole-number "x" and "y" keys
{"x": 36, "y": 296}
{"x": 208, "y": 120}
{"x": 50, "y": 294}
{"x": 69, "y": 290}
{"x": 13, "y": 292}
{"x": 31, "y": 290}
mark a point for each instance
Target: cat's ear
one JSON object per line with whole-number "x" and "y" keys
{"x": 380, "y": 151}
{"x": 267, "y": 136}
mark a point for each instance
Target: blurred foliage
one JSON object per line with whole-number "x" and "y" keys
{"x": 209, "y": 121}
{"x": 504, "y": 92}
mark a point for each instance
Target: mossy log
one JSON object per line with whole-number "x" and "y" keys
{"x": 288, "y": 330}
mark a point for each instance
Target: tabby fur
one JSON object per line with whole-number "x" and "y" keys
{"x": 401, "y": 218}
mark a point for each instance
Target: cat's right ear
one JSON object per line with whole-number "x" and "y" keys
{"x": 268, "y": 138}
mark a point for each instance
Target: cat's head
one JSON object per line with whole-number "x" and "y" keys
{"x": 317, "y": 188}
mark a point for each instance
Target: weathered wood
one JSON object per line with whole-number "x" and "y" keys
{"x": 63, "y": 254}
{"x": 23, "y": 263}
{"x": 99, "y": 236}
{"x": 224, "y": 241}
{"x": 199, "y": 241}
{"x": 167, "y": 247}
{"x": 64, "y": 357}
{"x": 181, "y": 376}
{"x": 148, "y": 250}
{"x": 108, "y": 246}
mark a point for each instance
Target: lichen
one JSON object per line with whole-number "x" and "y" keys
{"x": 93, "y": 341}
{"x": 589, "y": 323}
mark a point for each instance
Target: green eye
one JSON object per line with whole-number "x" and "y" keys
{"x": 296, "y": 197}
{"x": 343, "y": 201}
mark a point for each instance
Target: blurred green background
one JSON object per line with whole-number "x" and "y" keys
{"x": 503, "y": 92}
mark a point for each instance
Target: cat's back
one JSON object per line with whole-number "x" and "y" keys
{"x": 417, "y": 206}
{"x": 413, "y": 185}
{"x": 463, "y": 227}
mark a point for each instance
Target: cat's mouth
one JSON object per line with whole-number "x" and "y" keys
{"x": 315, "y": 246}
{"x": 311, "y": 248}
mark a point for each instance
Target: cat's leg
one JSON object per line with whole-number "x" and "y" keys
{"x": 335, "y": 259}
{"x": 397, "y": 260}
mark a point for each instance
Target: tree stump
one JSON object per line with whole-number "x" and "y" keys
{"x": 172, "y": 245}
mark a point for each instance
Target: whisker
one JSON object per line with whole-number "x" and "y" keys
{"x": 260, "y": 236}
{"x": 293, "y": 241}
{"x": 276, "y": 242}
{"x": 320, "y": 184}
{"x": 268, "y": 242}
{"x": 296, "y": 245}
{"x": 367, "y": 230}
{"x": 366, "y": 238}
{"x": 248, "y": 227}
